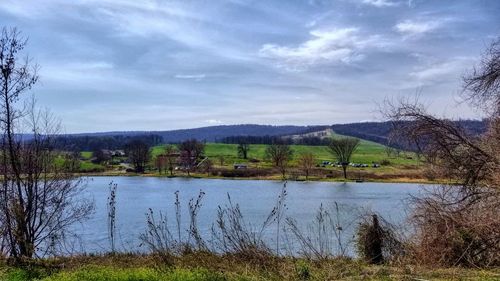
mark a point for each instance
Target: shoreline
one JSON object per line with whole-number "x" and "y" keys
{"x": 270, "y": 178}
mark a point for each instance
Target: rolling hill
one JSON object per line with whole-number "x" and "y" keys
{"x": 377, "y": 132}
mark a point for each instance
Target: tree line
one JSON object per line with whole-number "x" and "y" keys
{"x": 93, "y": 143}
{"x": 279, "y": 153}
{"x": 306, "y": 140}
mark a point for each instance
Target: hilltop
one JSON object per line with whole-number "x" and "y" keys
{"x": 373, "y": 131}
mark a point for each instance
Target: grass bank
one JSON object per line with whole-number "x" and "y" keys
{"x": 204, "y": 266}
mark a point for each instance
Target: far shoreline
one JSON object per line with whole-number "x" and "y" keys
{"x": 270, "y": 178}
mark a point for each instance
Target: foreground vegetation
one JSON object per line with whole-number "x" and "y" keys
{"x": 204, "y": 267}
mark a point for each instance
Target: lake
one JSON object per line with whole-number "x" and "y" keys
{"x": 136, "y": 195}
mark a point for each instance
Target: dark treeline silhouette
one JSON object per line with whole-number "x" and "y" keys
{"x": 380, "y": 132}
{"x": 212, "y": 133}
{"x": 254, "y": 139}
{"x": 93, "y": 143}
{"x": 275, "y": 139}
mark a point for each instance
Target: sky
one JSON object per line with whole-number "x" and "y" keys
{"x": 113, "y": 65}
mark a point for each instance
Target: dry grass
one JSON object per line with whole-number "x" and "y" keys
{"x": 235, "y": 267}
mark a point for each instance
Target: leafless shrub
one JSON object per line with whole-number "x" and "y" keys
{"x": 159, "y": 239}
{"x": 450, "y": 233}
{"x": 482, "y": 85}
{"x": 277, "y": 214}
{"x": 377, "y": 240}
{"x": 231, "y": 234}
{"x": 112, "y": 215}
{"x": 429, "y": 173}
{"x": 194, "y": 208}
{"x": 458, "y": 225}
{"x": 447, "y": 147}
{"x": 325, "y": 237}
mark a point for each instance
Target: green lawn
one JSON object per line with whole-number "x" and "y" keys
{"x": 87, "y": 166}
{"x": 86, "y": 154}
{"x": 101, "y": 273}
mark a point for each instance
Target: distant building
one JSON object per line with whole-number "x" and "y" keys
{"x": 113, "y": 153}
{"x": 118, "y": 153}
{"x": 240, "y": 166}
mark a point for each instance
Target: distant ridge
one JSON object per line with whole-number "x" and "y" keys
{"x": 379, "y": 131}
{"x": 212, "y": 133}
{"x": 373, "y": 131}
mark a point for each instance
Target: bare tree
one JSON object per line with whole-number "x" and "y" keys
{"x": 482, "y": 85}
{"x": 161, "y": 163}
{"x": 389, "y": 150}
{"x": 207, "y": 166}
{"x": 306, "y": 163}
{"x": 72, "y": 161}
{"x": 191, "y": 151}
{"x": 221, "y": 160}
{"x": 99, "y": 156}
{"x": 171, "y": 158}
{"x": 138, "y": 154}
{"x": 446, "y": 145}
{"x": 467, "y": 213}
{"x": 280, "y": 154}
{"x": 39, "y": 200}
{"x": 243, "y": 149}
{"x": 342, "y": 149}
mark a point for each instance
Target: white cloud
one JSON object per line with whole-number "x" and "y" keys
{"x": 380, "y": 3}
{"x": 332, "y": 46}
{"x": 213, "y": 121}
{"x": 410, "y": 28}
{"x": 443, "y": 71}
{"x": 190, "y": 76}
{"x": 76, "y": 70}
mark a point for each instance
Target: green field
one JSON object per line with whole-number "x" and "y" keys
{"x": 367, "y": 153}
{"x": 86, "y": 154}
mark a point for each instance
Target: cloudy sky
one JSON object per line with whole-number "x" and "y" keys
{"x": 158, "y": 65}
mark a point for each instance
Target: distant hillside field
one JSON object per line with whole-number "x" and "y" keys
{"x": 373, "y": 131}
{"x": 367, "y": 152}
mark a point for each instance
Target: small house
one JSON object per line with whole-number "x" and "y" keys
{"x": 240, "y": 166}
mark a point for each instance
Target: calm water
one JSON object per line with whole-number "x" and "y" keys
{"x": 135, "y": 195}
